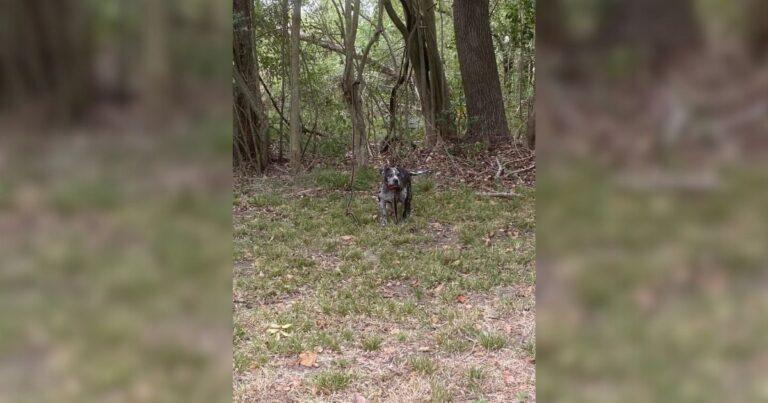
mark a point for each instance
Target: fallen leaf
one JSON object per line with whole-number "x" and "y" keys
{"x": 424, "y": 349}
{"x": 461, "y": 298}
{"x": 359, "y": 398}
{"x": 347, "y": 238}
{"x": 308, "y": 359}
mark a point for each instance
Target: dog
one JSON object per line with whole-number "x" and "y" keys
{"x": 395, "y": 190}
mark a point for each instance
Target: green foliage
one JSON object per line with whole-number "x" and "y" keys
{"x": 423, "y": 365}
{"x": 332, "y": 381}
{"x": 323, "y": 103}
{"x": 372, "y": 343}
{"x": 492, "y": 341}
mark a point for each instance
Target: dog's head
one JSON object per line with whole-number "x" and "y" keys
{"x": 393, "y": 177}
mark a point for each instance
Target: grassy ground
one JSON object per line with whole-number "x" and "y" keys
{"x": 440, "y": 308}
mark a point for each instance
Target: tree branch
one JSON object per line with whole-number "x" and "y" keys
{"x": 395, "y": 18}
{"x": 280, "y": 112}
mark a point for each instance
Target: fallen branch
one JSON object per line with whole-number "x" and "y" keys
{"x": 507, "y": 195}
{"x": 516, "y": 171}
{"x": 501, "y": 169}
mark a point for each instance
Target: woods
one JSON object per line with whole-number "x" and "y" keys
{"x": 374, "y": 79}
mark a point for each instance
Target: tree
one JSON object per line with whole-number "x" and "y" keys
{"x": 251, "y": 145}
{"x": 420, "y": 36}
{"x": 479, "y": 72}
{"x": 353, "y": 77}
{"x": 295, "y": 139}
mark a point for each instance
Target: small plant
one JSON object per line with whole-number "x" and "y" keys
{"x": 372, "y": 343}
{"x": 401, "y": 337}
{"x": 530, "y": 347}
{"x": 241, "y": 361}
{"x": 452, "y": 344}
{"x": 423, "y": 365}
{"x": 492, "y": 341}
{"x": 440, "y": 394}
{"x": 475, "y": 377}
{"x": 342, "y": 363}
{"x": 332, "y": 381}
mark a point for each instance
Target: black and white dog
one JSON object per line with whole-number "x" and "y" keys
{"x": 395, "y": 191}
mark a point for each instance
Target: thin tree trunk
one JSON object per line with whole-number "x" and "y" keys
{"x": 424, "y": 55}
{"x": 479, "y": 73}
{"x": 250, "y": 116}
{"x": 284, "y": 38}
{"x": 295, "y": 140}
{"x": 353, "y": 77}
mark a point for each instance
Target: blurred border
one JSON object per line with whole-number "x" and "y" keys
{"x": 651, "y": 204}
{"x": 115, "y": 199}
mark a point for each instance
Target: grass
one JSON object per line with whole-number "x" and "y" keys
{"x": 332, "y": 381}
{"x": 440, "y": 394}
{"x": 475, "y": 378}
{"x": 372, "y": 343}
{"x": 349, "y": 286}
{"x": 423, "y": 365}
{"x": 492, "y": 341}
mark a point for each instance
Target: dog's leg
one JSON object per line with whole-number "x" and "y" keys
{"x": 382, "y": 212}
{"x": 394, "y": 205}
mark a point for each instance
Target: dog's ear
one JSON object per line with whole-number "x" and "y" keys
{"x": 382, "y": 170}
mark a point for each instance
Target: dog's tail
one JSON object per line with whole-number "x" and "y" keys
{"x": 420, "y": 172}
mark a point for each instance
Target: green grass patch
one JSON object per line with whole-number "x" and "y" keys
{"x": 423, "y": 365}
{"x": 475, "y": 379}
{"x": 492, "y": 341}
{"x": 372, "y": 343}
{"x": 440, "y": 394}
{"x": 332, "y": 381}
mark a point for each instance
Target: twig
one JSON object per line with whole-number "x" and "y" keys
{"x": 507, "y": 195}
{"x": 528, "y": 168}
{"x": 280, "y": 112}
{"x": 501, "y": 169}
{"x": 305, "y": 191}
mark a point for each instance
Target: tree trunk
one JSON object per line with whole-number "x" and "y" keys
{"x": 251, "y": 145}
{"x": 295, "y": 140}
{"x": 479, "y": 73}
{"x": 283, "y": 70}
{"x": 530, "y": 125}
{"x": 420, "y": 35}
{"x": 349, "y": 83}
{"x": 353, "y": 77}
